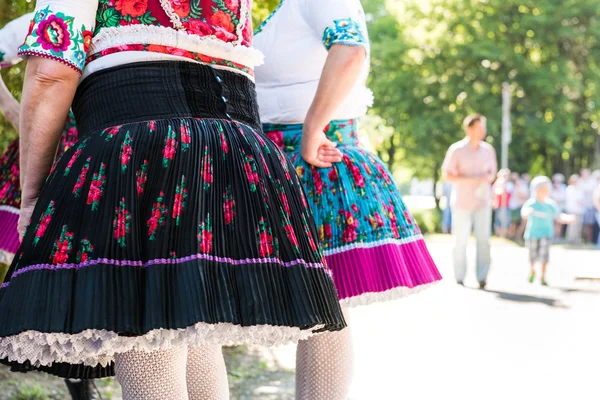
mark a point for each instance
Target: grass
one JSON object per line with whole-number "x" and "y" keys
{"x": 31, "y": 392}
{"x": 3, "y": 271}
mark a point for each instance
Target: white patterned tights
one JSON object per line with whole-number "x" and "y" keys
{"x": 324, "y": 366}
{"x": 179, "y": 373}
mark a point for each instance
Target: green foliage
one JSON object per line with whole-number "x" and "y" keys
{"x": 261, "y": 10}
{"x": 429, "y": 220}
{"x": 30, "y": 392}
{"x": 436, "y": 61}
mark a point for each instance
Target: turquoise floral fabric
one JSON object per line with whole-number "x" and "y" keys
{"x": 344, "y": 31}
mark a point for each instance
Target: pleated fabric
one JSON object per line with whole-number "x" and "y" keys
{"x": 173, "y": 220}
{"x": 372, "y": 244}
{"x": 10, "y": 190}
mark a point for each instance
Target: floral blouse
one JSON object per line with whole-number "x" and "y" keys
{"x": 79, "y": 33}
{"x": 295, "y": 39}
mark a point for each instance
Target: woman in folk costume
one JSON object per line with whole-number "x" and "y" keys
{"x": 311, "y": 90}
{"x": 173, "y": 225}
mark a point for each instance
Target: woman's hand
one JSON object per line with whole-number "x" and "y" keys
{"x": 318, "y": 150}
{"x": 25, "y": 214}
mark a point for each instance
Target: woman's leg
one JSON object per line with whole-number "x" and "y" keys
{"x": 206, "y": 373}
{"x": 157, "y": 375}
{"x": 324, "y": 366}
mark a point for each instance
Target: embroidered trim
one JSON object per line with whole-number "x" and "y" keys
{"x": 57, "y": 36}
{"x": 29, "y": 52}
{"x": 263, "y": 24}
{"x": 200, "y": 58}
{"x": 369, "y": 245}
{"x": 160, "y": 35}
{"x": 344, "y": 31}
{"x": 160, "y": 261}
{"x": 366, "y": 299}
{"x": 97, "y": 347}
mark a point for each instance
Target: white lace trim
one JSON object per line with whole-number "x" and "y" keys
{"x": 163, "y": 36}
{"x": 9, "y": 209}
{"x": 366, "y": 299}
{"x": 98, "y": 347}
{"x": 239, "y": 30}
{"x": 168, "y": 9}
{"x": 368, "y": 245}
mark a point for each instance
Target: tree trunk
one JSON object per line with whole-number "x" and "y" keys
{"x": 436, "y": 178}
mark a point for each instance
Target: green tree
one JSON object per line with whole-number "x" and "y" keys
{"x": 436, "y": 61}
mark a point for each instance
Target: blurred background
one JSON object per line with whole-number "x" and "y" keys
{"x": 433, "y": 63}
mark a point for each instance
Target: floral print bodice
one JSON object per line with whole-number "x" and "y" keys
{"x": 219, "y": 18}
{"x": 79, "y": 32}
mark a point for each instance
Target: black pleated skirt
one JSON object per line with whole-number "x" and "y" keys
{"x": 173, "y": 220}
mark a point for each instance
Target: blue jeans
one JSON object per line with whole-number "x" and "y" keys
{"x": 598, "y": 221}
{"x": 480, "y": 223}
{"x": 446, "y": 219}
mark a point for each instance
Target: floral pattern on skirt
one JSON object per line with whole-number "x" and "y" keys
{"x": 372, "y": 243}
{"x": 180, "y": 229}
{"x": 10, "y": 189}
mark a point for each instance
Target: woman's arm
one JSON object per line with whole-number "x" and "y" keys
{"x": 341, "y": 72}
{"x": 9, "y": 106}
{"x": 47, "y": 95}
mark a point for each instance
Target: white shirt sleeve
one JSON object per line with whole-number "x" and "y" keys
{"x": 61, "y": 30}
{"x": 11, "y": 37}
{"x": 336, "y": 21}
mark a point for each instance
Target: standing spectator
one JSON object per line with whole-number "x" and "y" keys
{"x": 519, "y": 196}
{"x": 471, "y": 166}
{"x": 588, "y": 185}
{"x": 559, "y": 195}
{"x": 447, "y": 211}
{"x": 502, "y": 189}
{"x": 575, "y": 204}
{"x": 541, "y": 213}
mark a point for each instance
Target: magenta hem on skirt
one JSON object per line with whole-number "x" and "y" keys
{"x": 9, "y": 238}
{"x": 382, "y": 273}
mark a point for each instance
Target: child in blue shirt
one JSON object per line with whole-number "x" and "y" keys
{"x": 541, "y": 212}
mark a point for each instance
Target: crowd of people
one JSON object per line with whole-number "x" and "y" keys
{"x": 578, "y": 196}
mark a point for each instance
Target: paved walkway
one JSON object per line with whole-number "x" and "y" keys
{"x": 514, "y": 341}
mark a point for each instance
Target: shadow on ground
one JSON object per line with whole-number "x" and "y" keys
{"x": 525, "y": 298}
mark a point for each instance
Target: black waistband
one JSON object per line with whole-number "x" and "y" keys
{"x": 161, "y": 90}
